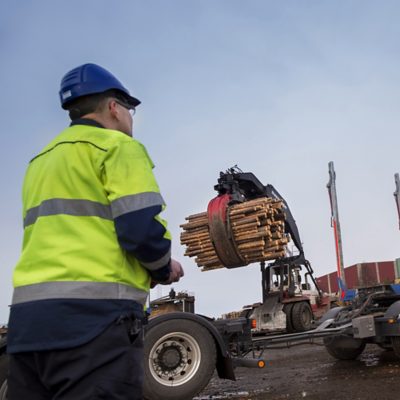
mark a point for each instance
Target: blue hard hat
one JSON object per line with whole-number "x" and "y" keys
{"x": 91, "y": 79}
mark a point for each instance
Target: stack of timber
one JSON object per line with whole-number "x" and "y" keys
{"x": 198, "y": 243}
{"x": 232, "y": 315}
{"x": 257, "y": 229}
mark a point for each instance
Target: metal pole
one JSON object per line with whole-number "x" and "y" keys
{"x": 397, "y": 194}
{"x": 336, "y": 224}
{"x": 265, "y": 284}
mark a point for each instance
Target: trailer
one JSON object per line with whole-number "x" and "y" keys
{"x": 182, "y": 350}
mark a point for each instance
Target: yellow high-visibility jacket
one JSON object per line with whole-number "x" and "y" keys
{"x": 92, "y": 228}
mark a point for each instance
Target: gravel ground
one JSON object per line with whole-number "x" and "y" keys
{"x": 309, "y": 372}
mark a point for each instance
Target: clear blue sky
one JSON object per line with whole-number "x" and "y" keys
{"x": 279, "y": 88}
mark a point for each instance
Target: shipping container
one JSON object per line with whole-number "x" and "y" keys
{"x": 362, "y": 274}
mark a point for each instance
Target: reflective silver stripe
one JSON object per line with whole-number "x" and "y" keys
{"x": 79, "y": 208}
{"x": 152, "y": 266}
{"x": 78, "y": 290}
{"x": 135, "y": 202}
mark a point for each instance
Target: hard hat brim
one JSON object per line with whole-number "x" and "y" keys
{"x": 132, "y": 101}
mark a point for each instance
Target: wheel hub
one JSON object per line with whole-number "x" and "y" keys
{"x": 170, "y": 357}
{"x": 174, "y": 359}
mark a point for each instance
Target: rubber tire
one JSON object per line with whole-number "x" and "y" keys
{"x": 334, "y": 347}
{"x": 302, "y": 316}
{"x": 152, "y": 389}
{"x": 396, "y": 345}
{"x": 287, "y": 309}
{"x": 3, "y": 391}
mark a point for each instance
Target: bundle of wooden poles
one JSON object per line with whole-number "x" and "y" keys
{"x": 257, "y": 229}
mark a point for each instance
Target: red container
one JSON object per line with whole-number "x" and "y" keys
{"x": 359, "y": 275}
{"x": 387, "y": 271}
{"x": 351, "y": 275}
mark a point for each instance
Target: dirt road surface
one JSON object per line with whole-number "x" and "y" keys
{"x": 310, "y": 373}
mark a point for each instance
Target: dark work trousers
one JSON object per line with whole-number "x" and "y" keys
{"x": 108, "y": 367}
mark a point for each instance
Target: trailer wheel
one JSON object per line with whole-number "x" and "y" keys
{"x": 396, "y": 345}
{"x": 344, "y": 347}
{"x": 180, "y": 358}
{"x": 302, "y": 316}
{"x": 3, "y": 391}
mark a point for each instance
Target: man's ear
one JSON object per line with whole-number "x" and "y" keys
{"x": 113, "y": 109}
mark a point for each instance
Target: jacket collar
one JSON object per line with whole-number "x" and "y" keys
{"x": 86, "y": 121}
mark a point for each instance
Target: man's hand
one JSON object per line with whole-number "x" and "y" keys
{"x": 176, "y": 273}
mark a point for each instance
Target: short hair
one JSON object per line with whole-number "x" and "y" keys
{"x": 89, "y": 104}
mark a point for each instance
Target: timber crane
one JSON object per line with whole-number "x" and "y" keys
{"x": 288, "y": 301}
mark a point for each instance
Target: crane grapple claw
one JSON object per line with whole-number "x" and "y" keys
{"x": 220, "y": 233}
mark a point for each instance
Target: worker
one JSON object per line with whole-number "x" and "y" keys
{"x": 93, "y": 244}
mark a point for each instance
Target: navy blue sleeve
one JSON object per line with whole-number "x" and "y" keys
{"x": 141, "y": 235}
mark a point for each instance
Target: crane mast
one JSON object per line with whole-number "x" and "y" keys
{"x": 336, "y": 229}
{"x": 397, "y": 194}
